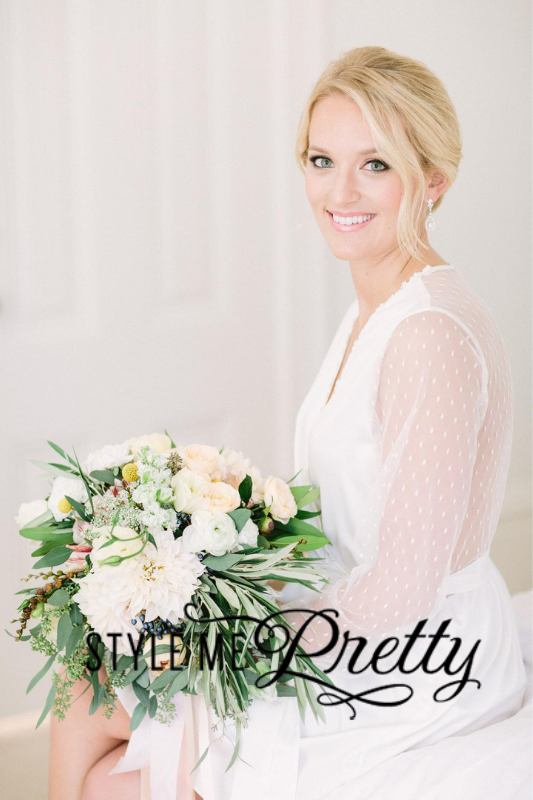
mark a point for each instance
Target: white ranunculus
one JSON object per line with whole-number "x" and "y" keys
{"x": 30, "y": 511}
{"x": 112, "y": 455}
{"x": 188, "y": 488}
{"x": 201, "y": 458}
{"x": 159, "y": 442}
{"x": 61, "y": 487}
{"x": 127, "y": 545}
{"x": 248, "y": 534}
{"x": 221, "y": 497}
{"x": 215, "y": 533}
{"x": 278, "y": 496}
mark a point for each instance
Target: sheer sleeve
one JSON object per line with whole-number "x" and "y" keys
{"x": 429, "y": 403}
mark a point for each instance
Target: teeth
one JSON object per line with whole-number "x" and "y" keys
{"x": 352, "y": 220}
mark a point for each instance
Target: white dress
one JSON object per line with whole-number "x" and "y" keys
{"x": 411, "y": 454}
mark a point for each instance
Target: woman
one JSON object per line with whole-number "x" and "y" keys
{"x": 407, "y": 431}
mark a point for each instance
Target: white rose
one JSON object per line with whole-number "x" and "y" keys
{"x": 248, "y": 534}
{"x": 159, "y": 442}
{"x": 188, "y": 488}
{"x": 258, "y": 486}
{"x": 30, "y": 511}
{"x": 215, "y": 533}
{"x": 112, "y": 455}
{"x": 73, "y": 487}
{"x": 221, "y": 497}
{"x": 278, "y": 496}
{"x": 200, "y": 458}
{"x": 122, "y": 548}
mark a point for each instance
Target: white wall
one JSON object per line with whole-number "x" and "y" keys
{"x": 160, "y": 266}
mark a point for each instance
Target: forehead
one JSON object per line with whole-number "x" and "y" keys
{"x": 337, "y": 122}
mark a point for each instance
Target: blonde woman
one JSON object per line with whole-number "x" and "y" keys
{"x": 407, "y": 430}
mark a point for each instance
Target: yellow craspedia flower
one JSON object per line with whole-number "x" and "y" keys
{"x": 130, "y": 473}
{"x": 64, "y": 506}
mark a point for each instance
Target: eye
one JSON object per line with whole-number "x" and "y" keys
{"x": 377, "y": 161}
{"x": 314, "y": 159}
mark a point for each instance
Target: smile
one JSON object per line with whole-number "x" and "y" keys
{"x": 350, "y": 223}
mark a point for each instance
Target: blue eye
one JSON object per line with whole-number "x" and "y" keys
{"x": 384, "y": 166}
{"x": 314, "y": 159}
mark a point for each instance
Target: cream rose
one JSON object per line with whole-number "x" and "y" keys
{"x": 221, "y": 497}
{"x": 278, "y": 496}
{"x": 232, "y": 467}
{"x": 159, "y": 442}
{"x": 200, "y": 458}
{"x": 188, "y": 488}
{"x": 122, "y": 548}
{"x": 258, "y": 486}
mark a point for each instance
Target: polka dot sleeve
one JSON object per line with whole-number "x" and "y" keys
{"x": 429, "y": 403}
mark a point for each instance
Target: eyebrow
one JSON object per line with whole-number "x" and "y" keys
{"x": 361, "y": 153}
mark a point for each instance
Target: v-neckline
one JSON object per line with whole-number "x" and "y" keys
{"x": 354, "y": 309}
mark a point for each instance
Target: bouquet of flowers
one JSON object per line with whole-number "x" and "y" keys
{"x": 152, "y": 557}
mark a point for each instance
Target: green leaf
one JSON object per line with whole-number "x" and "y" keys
{"x": 308, "y": 498}
{"x": 36, "y": 678}
{"x": 61, "y": 452}
{"x": 307, "y": 514}
{"x": 45, "y": 533}
{"x": 103, "y": 476}
{"x": 263, "y": 542}
{"x": 152, "y": 707}
{"x": 170, "y": 437}
{"x": 55, "y": 557}
{"x": 60, "y": 540}
{"x": 142, "y": 694}
{"x": 240, "y": 517}
{"x": 64, "y": 629}
{"x": 285, "y": 691}
{"x": 85, "y": 481}
{"x": 245, "y": 489}
{"x": 299, "y": 491}
{"x": 75, "y": 614}
{"x": 180, "y": 682}
{"x": 59, "y": 597}
{"x": 74, "y": 638}
{"x": 137, "y": 717}
{"x": 310, "y": 543}
{"x": 78, "y": 507}
{"x": 98, "y": 693}
{"x": 222, "y": 562}
{"x": 48, "y": 704}
{"x": 135, "y": 673}
{"x": 60, "y": 473}
{"x": 22, "y": 638}
{"x": 163, "y": 680}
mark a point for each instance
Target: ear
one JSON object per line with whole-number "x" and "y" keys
{"x": 437, "y": 183}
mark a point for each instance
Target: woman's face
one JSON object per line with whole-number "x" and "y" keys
{"x": 345, "y": 177}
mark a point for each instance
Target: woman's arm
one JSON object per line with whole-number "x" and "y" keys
{"x": 429, "y": 405}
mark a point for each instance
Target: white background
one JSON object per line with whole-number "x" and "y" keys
{"x": 160, "y": 266}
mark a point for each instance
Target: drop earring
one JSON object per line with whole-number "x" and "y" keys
{"x": 430, "y": 220}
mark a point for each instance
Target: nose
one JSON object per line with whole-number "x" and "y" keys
{"x": 344, "y": 190}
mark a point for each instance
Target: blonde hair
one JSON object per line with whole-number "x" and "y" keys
{"x": 412, "y": 120}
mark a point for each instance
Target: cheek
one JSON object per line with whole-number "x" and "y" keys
{"x": 314, "y": 189}
{"x": 389, "y": 194}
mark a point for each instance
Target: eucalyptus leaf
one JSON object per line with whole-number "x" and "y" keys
{"x": 79, "y": 507}
{"x": 103, "y": 476}
{"x": 55, "y": 557}
{"x": 240, "y": 517}
{"x": 59, "y": 597}
{"x": 42, "y": 672}
{"x": 137, "y": 717}
{"x": 74, "y": 638}
{"x": 48, "y": 704}
{"x": 64, "y": 629}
